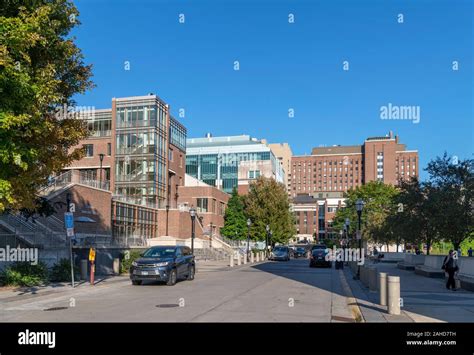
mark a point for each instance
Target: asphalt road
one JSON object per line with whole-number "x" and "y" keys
{"x": 265, "y": 292}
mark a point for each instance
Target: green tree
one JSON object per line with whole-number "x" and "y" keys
{"x": 379, "y": 200}
{"x": 452, "y": 181}
{"x": 267, "y": 203}
{"x": 40, "y": 70}
{"x": 235, "y": 221}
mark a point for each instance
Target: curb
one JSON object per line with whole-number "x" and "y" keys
{"x": 351, "y": 300}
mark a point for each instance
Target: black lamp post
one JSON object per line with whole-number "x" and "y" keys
{"x": 359, "y": 208}
{"x": 346, "y": 231}
{"x": 101, "y": 158}
{"x": 249, "y": 223}
{"x": 267, "y": 228}
{"x": 210, "y": 235}
{"x": 192, "y": 213}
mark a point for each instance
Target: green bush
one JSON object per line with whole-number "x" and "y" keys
{"x": 62, "y": 271}
{"x": 24, "y": 274}
{"x": 125, "y": 262}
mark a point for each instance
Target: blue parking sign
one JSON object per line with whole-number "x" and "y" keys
{"x": 69, "y": 220}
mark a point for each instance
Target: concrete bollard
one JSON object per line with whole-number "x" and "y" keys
{"x": 116, "y": 266}
{"x": 239, "y": 261}
{"x": 84, "y": 265}
{"x": 383, "y": 288}
{"x": 257, "y": 258}
{"x": 245, "y": 259}
{"x": 393, "y": 291}
{"x": 252, "y": 258}
{"x": 261, "y": 256}
{"x": 231, "y": 262}
{"x": 372, "y": 279}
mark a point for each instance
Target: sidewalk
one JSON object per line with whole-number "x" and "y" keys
{"x": 424, "y": 299}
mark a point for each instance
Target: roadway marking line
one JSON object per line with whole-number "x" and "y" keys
{"x": 351, "y": 301}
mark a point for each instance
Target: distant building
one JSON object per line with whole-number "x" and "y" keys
{"x": 330, "y": 171}
{"x": 284, "y": 154}
{"x": 232, "y": 161}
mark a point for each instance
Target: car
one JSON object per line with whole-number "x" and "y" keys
{"x": 318, "y": 246}
{"x": 300, "y": 252}
{"x": 280, "y": 253}
{"x": 163, "y": 263}
{"x": 318, "y": 258}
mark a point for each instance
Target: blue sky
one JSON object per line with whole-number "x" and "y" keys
{"x": 297, "y": 66}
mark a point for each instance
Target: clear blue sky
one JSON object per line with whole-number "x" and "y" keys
{"x": 297, "y": 66}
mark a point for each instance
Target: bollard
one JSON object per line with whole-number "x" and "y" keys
{"x": 84, "y": 266}
{"x": 261, "y": 256}
{"x": 245, "y": 259}
{"x": 383, "y": 288}
{"x": 393, "y": 291}
{"x": 257, "y": 260}
{"x": 238, "y": 259}
{"x": 252, "y": 257}
{"x": 116, "y": 266}
{"x": 372, "y": 279}
{"x": 231, "y": 262}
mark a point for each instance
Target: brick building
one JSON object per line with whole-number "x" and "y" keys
{"x": 318, "y": 181}
{"x": 337, "y": 169}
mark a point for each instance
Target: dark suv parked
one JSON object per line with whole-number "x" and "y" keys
{"x": 163, "y": 263}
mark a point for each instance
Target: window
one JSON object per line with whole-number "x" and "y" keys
{"x": 170, "y": 155}
{"x": 202, "y": 204}
{"x": 109, "y": 149}
{"x": 89, "y": 149}
{"x": 254, "y": 174}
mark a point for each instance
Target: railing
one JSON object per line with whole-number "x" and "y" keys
{"x": 103, "y": 185}
{"x": 57, "y": 182}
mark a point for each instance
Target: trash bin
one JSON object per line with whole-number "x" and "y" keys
{"x": 84, "y": 269}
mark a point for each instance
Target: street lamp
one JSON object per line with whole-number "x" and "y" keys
{"x": 359, "y": 208}
{"x": 346, "y": 230}
{"x": 249, "y": 223}
{"x": 192, "y": 213}
{"x": 267, "y": 228}
{"x": 101, "y": 158}
{"x": 210, "y": 236}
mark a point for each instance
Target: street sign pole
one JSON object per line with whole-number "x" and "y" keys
{"x": 69, "y": 223}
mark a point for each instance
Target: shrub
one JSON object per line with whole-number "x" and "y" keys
{"x": 125, "y": 262}
{"x": 24, "y": 274}
{"x": 62, "y": 271}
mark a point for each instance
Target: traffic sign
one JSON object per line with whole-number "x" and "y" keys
{"x": 92, "y": 254}
{"x": 69, "y": 223}
{"x": 359, "y": 235}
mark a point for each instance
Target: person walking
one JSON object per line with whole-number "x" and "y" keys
{"x": 469, "y": 252}
{"x": 450, "y": 266}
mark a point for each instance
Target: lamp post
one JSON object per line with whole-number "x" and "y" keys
{"x": 359, "y": 208}
{"x": 267, "y": 228}
{"x": 101, "y": 158}
{"x": 192, "y": 213}
{"x": 249, "y": 223}
{"x": 210, "y": 236}
{"x": 346, "y": 231}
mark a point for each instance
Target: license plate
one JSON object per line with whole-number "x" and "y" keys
{"x": 144, "y": 272}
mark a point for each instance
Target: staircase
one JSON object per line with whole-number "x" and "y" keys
{"x": 34, "y": 234}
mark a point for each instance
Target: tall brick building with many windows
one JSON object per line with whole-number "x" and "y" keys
{"x": 318, "y": 181}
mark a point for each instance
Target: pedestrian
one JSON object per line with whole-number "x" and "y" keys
{"x": 469, "y": 252}
{"x": 450, "y": 266}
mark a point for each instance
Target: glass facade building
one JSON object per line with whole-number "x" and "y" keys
{"x": 215, "y": 160}
{"x": 143, "y": 131}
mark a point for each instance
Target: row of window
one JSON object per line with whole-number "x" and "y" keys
{"x": 89, "y": 149}
{"x": 204, "y": 204}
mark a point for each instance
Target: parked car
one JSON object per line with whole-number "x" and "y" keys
{"x": 163, "y": 263}
{"x": 300, "y": 252}
{"x": 318, "y": 246}
{"x": 280, "y": 253}
{"x": 318, "y": 258}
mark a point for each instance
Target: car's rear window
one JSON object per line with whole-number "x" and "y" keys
{"x": 280, "y": 249}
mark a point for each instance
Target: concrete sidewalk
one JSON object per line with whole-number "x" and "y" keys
{"x": 424, "y": 299}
